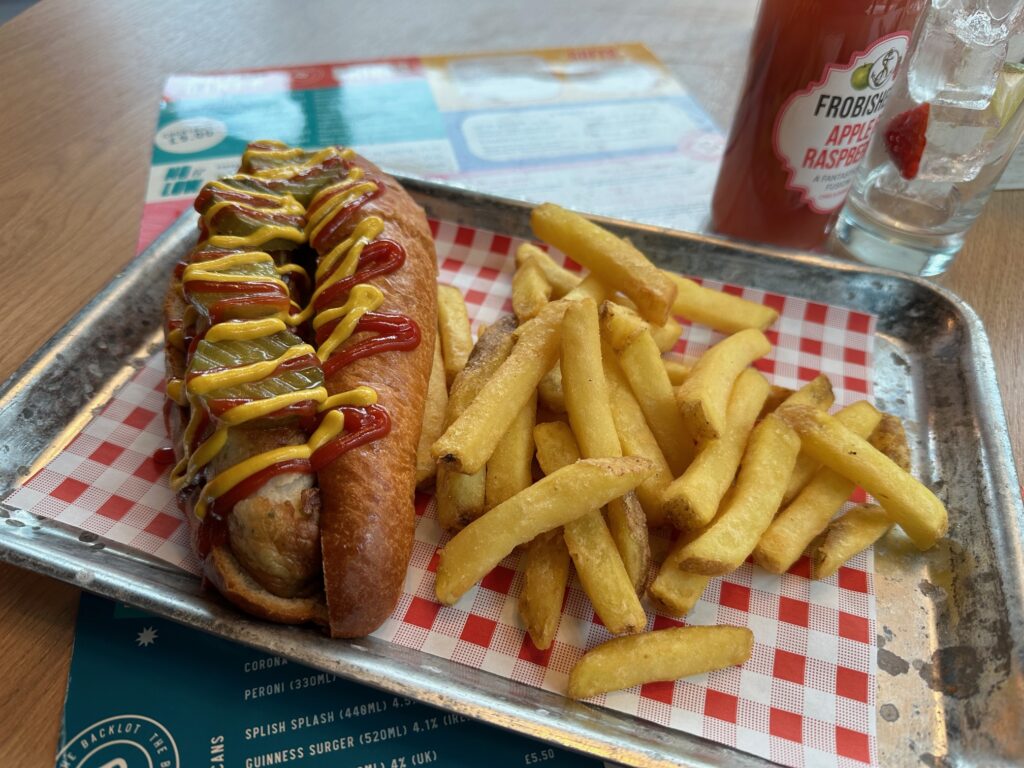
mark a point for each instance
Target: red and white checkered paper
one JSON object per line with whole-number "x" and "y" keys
{"x": 806, "y": 696}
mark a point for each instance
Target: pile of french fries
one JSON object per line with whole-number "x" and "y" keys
{"x": 567, "y": 431}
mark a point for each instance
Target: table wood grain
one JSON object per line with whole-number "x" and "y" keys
{"x": 81, "y": 82}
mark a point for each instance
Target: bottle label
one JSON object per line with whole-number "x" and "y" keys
{"x": 822, "y": 132}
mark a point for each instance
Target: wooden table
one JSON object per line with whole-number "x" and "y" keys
{"x": 81, "y": 82}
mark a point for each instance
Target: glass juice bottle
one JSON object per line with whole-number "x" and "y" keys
{"x": 818, "y": 76}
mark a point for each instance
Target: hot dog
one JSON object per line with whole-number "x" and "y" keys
{"x": 300, "y": 333}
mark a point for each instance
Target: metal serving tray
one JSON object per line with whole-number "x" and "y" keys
{"x": 950, "y": 621}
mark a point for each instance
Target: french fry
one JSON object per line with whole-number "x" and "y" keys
{"x": 556, "y": 446}
{"x": 615, "y": 262}
{"x": 641, "y": 362}
{"x": 798, "y": 523}
{"x": 530, "y": 291}
{"x": 677, "y": 371}
{"x": 590, "y": 542}
{"x": 861, "y": 526}
{"x": 663, "y": 655}
{"x": 602, "y": 571}
{"x": 550, "y": 392}
{"x": 666, "y": 336}
{"x": 674, "y": 590}
{"x": 704, "y": 396}
{"x": 890, "y": 438}
{"x": 590, "y": 287}
{"x": 732, "y": 535}
{"x": 804, "y": 470}
{"x": 627, "y": 525}
{"x": 620, "y": 325}
{"x": 776, "y": 396}
{"x": 453, "y": 327}
{"x": 721, "y": 311}
{"x": 817, "y": 392}
{"x": 559, "y": 278}
{"x": 692, "y": 499}
{"x": 461, "y": 497}
{"x": 569, "y": 494}
{"x": 852, "y": 532}
{"x": 636, "y": 438}
{"x": 661, "y": 545}
{"x": 470, "y": 440}
{"x": 433, "y": 418}
{"x": 911, "y": 505}
{"x": 590, "y": 414}
{"x": 583, "y": 382}
{"x": 510, "y": 468}
{"x": 545, "y": 567}
{"x": 623, "y": 300}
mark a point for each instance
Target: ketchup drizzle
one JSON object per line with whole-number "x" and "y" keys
{"x": 326, "y": 238}
{"x": 381, "y": 257}
{"x": 362, "y": 425}
{"x": 222, "y": 505}
{"x": 164, "y": 456}
{"x": 393, "y": 331}
{"x": 230, "y": 194}
{"x": 397, "y": 332}
{"x": 248, "y": 220}
{"x": 227, "y": 309}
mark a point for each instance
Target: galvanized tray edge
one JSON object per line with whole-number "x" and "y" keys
{"x": 88, "y": 373}
{"x": 112, "y": 571}
{"x": 696, "y": 751}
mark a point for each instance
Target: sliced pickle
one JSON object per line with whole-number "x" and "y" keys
{"x": 229, "y": 354}
{"x": 301, "y": 187}
{"x": 265, "y": 160}
{"x": 265, "y": 270}
{"x": 236, "y": 223}
{"x": 284, "y": 383}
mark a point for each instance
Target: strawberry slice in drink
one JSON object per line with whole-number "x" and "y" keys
{"x": 905, "y": 139}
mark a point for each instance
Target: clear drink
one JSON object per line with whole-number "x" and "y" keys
{"x": 949, "y": 129}
{"x": 817, "y": 78}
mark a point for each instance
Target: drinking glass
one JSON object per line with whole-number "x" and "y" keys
{"x": 960, "y": 91}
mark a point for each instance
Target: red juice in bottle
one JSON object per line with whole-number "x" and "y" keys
{"x": 818, "y": 76}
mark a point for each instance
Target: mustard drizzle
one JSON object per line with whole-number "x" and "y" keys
{"x": 340, "y": 263}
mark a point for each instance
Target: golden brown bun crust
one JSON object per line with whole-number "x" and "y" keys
{"x": 368, "y": 515}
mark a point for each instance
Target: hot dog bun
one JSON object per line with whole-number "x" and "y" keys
{"x": 370, "y": 543}
{"x": 284, "y": 491}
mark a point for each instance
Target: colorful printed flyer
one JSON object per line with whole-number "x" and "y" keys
{"x": 145, "y": 691}
{"x": 606, "y": 130}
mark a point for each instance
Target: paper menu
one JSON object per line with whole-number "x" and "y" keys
{"x": 146, "y": 691}
{"x": 606, "y": 130}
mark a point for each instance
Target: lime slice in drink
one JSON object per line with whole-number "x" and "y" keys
{"x": 1009, "y": 93}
